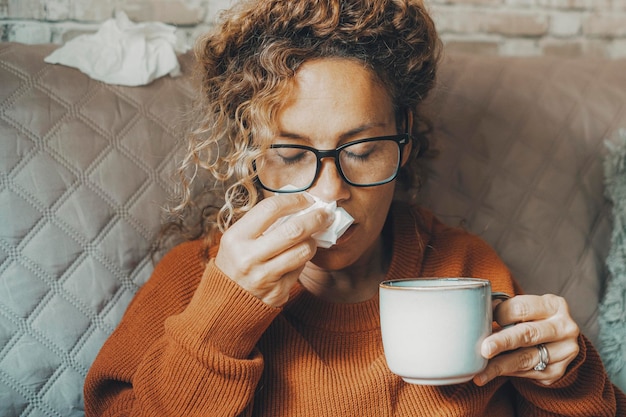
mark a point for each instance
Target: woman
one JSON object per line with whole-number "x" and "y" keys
{"x": 250, "y": 317}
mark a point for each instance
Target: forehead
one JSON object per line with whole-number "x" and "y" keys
{"x": 329, "y": 88}
{"x": 340, "y": 70}
{"x": 322, "y": 76}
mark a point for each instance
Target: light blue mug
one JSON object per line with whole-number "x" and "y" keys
{"x": 432, "y": 328}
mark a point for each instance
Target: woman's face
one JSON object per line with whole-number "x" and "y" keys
{"x": 335, "y": 101}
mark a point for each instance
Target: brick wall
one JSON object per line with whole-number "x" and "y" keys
{"x": 533, "y": 27}
{"x": 506, "y": 27}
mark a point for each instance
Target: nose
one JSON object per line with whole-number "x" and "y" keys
{"x": 329, "y": 185}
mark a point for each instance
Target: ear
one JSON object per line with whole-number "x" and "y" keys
{"x": 408, "y": 120}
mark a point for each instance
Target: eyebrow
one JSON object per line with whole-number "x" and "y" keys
{"x": 342, "y": 137}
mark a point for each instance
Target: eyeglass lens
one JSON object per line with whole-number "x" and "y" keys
{"x": 362, "y": 163}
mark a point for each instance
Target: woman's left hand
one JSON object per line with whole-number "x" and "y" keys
{"x": 532, "y": 321}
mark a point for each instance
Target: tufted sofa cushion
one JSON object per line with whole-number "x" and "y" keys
{"x": 85, "y": 167}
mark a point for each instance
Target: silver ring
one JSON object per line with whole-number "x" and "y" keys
{"x": 544, "y": 359}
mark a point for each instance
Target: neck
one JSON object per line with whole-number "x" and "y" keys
{"x": 355, "y": 283}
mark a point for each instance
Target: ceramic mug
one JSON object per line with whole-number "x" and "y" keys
{"x": 432, "y": 328}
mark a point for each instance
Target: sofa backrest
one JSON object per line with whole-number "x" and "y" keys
{"x": 521, "y": 164}
{"x": 85, "y": 168}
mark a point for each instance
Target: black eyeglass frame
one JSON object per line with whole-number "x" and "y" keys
{"x": 402, "y": 139}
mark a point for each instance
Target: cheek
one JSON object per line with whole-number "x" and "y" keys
{"x": 377, "y": 205}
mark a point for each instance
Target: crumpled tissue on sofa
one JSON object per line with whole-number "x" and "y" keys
{"x": 123, "y": 52}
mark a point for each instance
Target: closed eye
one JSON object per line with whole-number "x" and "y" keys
{"x": 290, "y": 156}
{"x": 360, "y": 151}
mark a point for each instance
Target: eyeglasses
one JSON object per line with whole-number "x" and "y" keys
{"x": 361, "y": 163}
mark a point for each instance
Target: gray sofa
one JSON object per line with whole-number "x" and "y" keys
{"x": 85, "y": 168}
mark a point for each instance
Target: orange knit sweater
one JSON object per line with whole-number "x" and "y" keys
{"x": 193, "y": 343}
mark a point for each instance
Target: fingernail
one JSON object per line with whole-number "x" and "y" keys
{"x": 488, "y": 348}
{"x": 480, "y": 379}
{"x": 330, "y": 216}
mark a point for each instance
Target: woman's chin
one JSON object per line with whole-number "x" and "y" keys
{"x": 346, "y": 252}
{"x": 331, "y": 259}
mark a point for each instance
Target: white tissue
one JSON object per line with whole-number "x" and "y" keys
{"x": 123, "y": 52}
{"x": 325, "y": 239}
{"x": 343, "y": 220}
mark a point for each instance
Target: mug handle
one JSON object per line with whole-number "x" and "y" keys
{"x": 503, "y": 297}
{"x": 499, "y": 296}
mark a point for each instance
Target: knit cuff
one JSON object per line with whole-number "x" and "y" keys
{"x": 572, "y": 372}
{"x": 221, "y": 317}
{"x": 584, "y": 387}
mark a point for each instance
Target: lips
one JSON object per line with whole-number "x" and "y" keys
{"x": 346, "y": 235}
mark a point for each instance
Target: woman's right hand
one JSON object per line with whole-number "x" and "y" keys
{"x": 268, "y": 263}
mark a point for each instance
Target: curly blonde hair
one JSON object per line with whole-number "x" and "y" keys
{"x": 247, "y": 65}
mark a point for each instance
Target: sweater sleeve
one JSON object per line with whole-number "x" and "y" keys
{"x": 584, "y": 391}
{"x": 185, "y": 346}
